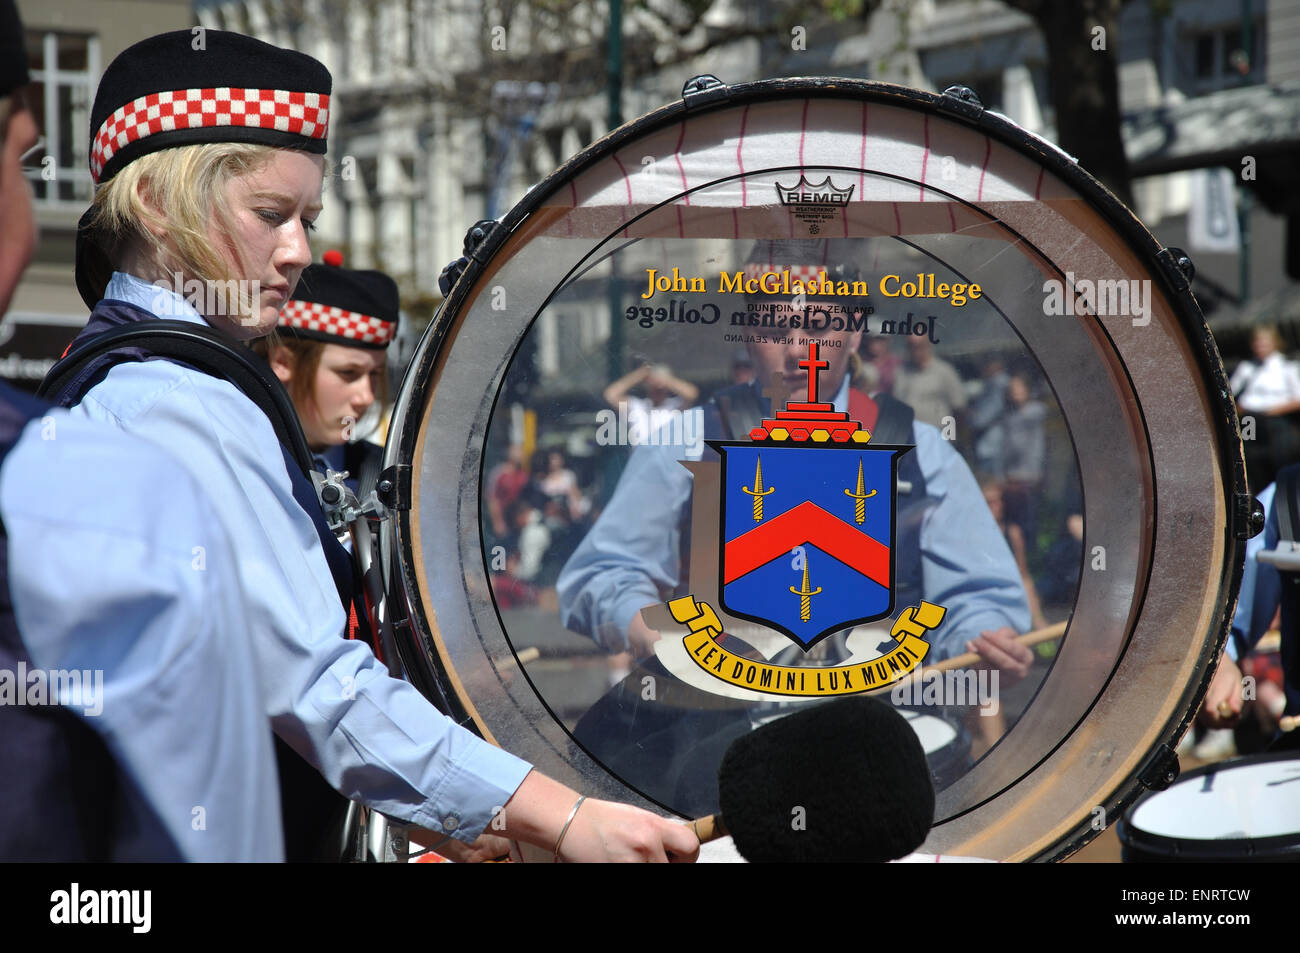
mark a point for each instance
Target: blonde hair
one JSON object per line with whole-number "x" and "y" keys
{"x": 1271, "y": 332}
{"x": 166, "y": 202}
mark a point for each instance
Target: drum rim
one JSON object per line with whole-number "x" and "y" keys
{"x": 1185, "y": 848}
{"x": 1162, "y": 262}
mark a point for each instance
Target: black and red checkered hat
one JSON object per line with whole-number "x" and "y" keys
{"x": 841, "y": 259}
{"x": 198, "y": 86}
{"x": 193, "y": 87}
{"x": 341, "y": 306}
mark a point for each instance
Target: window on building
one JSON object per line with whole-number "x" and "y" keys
{"x": 1216, "y": 58}
{"x": 64, "y": 68}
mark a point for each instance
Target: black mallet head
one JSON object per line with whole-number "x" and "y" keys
{"x": 846, "y": 781}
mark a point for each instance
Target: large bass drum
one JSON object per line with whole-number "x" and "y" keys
{"x": 583, "y": 461}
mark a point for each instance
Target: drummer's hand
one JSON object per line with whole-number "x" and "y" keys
{"x": 486, "y": 847}
{"x": 605, "y": 832}
{"x": 1222, "y": 705}
{"x": 641, "y": 638}
{"x": 1000, "y": 649}
{"x": 597, "y": 831}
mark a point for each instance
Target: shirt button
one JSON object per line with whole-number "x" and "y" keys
{"x": 450, "y": 823}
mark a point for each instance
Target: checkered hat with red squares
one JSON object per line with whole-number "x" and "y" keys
{"x": 198, "y": 86}
{"x": 841, "y": 259}
{"x": 341, "y": 306}
{"x": 193, "y": 87}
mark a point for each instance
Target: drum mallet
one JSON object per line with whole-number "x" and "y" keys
{"x": 845, "y": 781}
{"x": 1029, "y": 639}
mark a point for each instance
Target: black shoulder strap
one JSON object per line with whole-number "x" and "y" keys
{"x": 1241, "y": 389}
{"x": 368, "y": 467}
{"x": 205, "y": 350}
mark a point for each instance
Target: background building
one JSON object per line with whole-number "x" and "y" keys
{"x": 447, "y": 111}
{"x": 69, "y": 42}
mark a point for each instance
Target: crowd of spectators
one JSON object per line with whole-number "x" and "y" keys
{"x": 536, "y": 516}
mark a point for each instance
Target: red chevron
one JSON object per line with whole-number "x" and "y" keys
{"x": 806, "y": 523}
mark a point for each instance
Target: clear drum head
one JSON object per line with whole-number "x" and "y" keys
{"x": 798, "y": 389}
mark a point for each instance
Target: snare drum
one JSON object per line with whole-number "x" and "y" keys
{"x": 1246, "y": 809}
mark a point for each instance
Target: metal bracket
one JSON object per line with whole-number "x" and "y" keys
{"x": 1247, "y": 516}
{"x": 340, "y": 504}
{"x": 1286, "y": 557}
{"x": 963, "y": 101}
{"x": 1161, "y": 771}
{"x": 703, "y": 89}
{"x": 1180, "y": 260}
{"x": 393, "y": 487}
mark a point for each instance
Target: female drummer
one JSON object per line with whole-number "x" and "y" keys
{"x": 329, "y": 350}
{"x": 207, "y": 150}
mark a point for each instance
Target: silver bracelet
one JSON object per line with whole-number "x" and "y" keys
{"x": 565, "y": 829}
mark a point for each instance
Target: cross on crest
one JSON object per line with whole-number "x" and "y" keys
{"x": 814, "y": 368}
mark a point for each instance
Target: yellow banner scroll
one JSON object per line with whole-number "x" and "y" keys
{"x": 701, "y": 644}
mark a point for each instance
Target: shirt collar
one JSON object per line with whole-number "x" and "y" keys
{"x": 156, "y": 299}
{"x": 841, "y": 400}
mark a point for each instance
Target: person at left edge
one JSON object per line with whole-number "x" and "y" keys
{"x": 156, "y": 748}
{"x": 214, "y": 200}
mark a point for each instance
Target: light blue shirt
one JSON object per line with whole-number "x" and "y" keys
{"x": 120, "y": 572}
{"x": 629, "y": 561}
{"x": 374, "y": 738}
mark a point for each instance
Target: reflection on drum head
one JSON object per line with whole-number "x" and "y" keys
{"x": 935, "y": 733}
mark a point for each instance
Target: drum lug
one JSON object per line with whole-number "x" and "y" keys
{"x": 963, "y": 101}
{"x": 1180, "y": 260}
{"x": 1248, "y": 520}
{"x": 703, "y": 89}
{"x": 394, "y": 487}
{"x": 1161, "y": 771}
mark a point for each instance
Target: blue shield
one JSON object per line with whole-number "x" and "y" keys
{"x": 807, "y": 535}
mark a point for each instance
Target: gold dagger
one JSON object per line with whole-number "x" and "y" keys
{"x": 758, "y": 492}
{"x": 860, "y": 498}
{"x": 805, "y": 594}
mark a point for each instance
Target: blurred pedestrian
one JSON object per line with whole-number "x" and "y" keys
{"x": 929, "y": 384}
{"x": 664, "y": 393}
{"x": 1267, "y": 391}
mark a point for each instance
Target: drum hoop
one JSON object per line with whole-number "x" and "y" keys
{"x": 1172, "y": 281}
